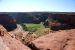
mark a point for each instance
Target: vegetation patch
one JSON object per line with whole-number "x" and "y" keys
{"x": 31, "y": 27}
{"x": 42, "y": 31}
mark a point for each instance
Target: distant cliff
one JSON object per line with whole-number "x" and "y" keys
{"x": 54, "y": 18}
{"x": 31, "y": 17}
{"x": 60, "y": 21}
{"x": 8, "y": 22}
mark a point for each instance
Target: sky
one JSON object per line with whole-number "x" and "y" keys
{"x": 37, "y": 5}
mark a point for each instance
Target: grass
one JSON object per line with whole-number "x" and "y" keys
{"x": 32, "y": 27}
{"x": 38, "y": 29}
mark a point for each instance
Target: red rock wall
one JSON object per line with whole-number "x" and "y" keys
{"x": 64, "y": 18}
{"x": 7, "y": 21}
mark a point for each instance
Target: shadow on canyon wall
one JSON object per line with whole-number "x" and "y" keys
{"x": 8, "y": 22}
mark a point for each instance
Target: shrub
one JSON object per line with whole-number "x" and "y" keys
{"x": 24, "y": 27}
{"x": 42, "y": 31}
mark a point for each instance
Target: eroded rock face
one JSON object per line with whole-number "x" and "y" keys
{"x": 2, "y": 45}
{"x": 7, "y": 42}
{"x": 64, "y": 18}
{"x": 14, "y": 44}
{"x": 60, "y": 21}
{"x": 61, "y": 40}
{"x": 54, "y": 41}
{"x": 7, "y": 21}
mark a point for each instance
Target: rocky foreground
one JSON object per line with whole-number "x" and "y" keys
{"x": 59, "y": 40}
{"x": 7, "y": 42}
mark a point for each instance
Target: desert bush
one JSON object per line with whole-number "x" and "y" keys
{"x": 24, "y": 27}
{"x": 42, "y": 31}
{"x": 29, "y": 38}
